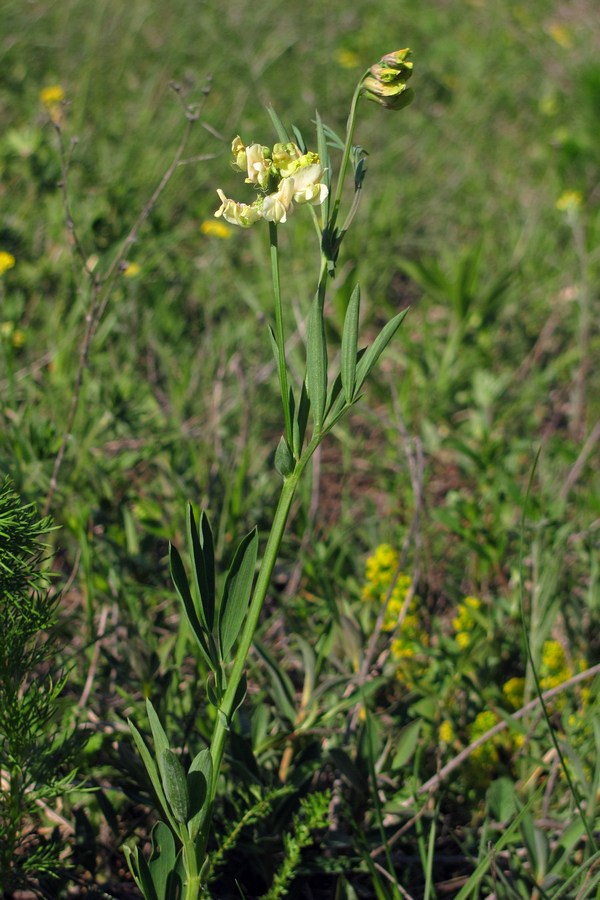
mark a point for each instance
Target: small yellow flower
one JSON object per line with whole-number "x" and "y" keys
{"x": 347, "y": 59}
{"x": 446, "y": 732}
{"x": 52, "y": 96}
{"x": 19, "y": 337}
{"x": 569, "y": 201}
{"x": 215, "y": 229}
{"x": 6, "y": 329}
{"x": 513, "y": 690}
{"x": 561, "y": 35}
{"x": 7, "y": 261}
{"x": 132, "y": 270}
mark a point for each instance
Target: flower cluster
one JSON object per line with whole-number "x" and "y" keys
{"x": 466, "y": 621}
{"x": 407, "y": 648}
{"x": 283, "y": 176}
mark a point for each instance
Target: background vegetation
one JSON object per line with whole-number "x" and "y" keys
{"x": 481, "y": 210}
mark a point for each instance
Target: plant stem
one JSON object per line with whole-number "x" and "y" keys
{"x": 346, "y": 156}
{"x": 279, "y": 334}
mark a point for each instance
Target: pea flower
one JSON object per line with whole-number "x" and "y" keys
{"x": 387, "y": 82}
{"x": 308, "y": 185}
{"x": 285, "y": 157}
{"x": 258, "y": 165}
{"x": 238, "y": 151}
{"x": 278, "y": 206}
{"x": 237, "y": 213}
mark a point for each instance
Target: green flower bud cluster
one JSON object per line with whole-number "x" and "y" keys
{"x": 386, "y": 82}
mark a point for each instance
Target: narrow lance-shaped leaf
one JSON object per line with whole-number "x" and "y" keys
{"x": 175, "y": 785}
{"x": 316, "y": 362}
{"x": 152, "y": 772}
{"x": 236, "y": 593}
{"x": 376, "y": 349}
{"x": 350, "y": 345}
{"x": 141, "y": 873}
{"x": 199, "y": 781}
{"x": 278, "y": 125}
{"x": 284, "y": 461}
{"x": 182, "y": 587}
{"x": 201, "y": 561}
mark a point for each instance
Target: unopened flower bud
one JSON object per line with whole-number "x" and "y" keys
{"x": 387, "y": 82}
{"x": 284, "y": 156}
{"x": 238, "y": 152}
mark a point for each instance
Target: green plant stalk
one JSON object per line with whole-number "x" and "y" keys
{"x": 279, "y": 333}
{"x": 347, "y": 149}
{"x": 261, "y": 587}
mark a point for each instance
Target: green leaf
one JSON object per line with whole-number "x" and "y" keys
{"x": 278, "y": 125}
{"x": 141, "y": 873}
{"x": 240, "y": 694}
{"x": 203, "y": 565}
{"x": 159, "y": 736}
{"x": 350, "y": 345}
{"x": 376, "y": 349}
{"x": 316, "y": 362}
{"x": 163, "y": 859}
{"x": 284, "y": 461}
{"x": 199, "y": 782}
{"x": 300, "y": 420}
{"x": 175, "y": 785}
{"x": 407, "y": 743}
{"x": 152, "y": 771}
{"x": 237, "y": 590}
{"x": 183, "y": 589}
{"x": 283, "y": 688}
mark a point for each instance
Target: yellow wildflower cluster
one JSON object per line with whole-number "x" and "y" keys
{"x": 7, "y": 261}
{"x": 466, "y": 621}
{"x": 569, "y": 201}
{"x": 52, "y": 98}
{"x": 215, "y": 229}
{"x": 284, "y": 177}
{"x": 14, "y": 335}
{"x": 380, "y": 571}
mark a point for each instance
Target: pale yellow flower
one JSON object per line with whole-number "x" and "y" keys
{"x": 215, "y": 229}
{"x": 238, "y": 151}
{"x": 258, "y": 165}
{"x": 308, "y": 185}
{"x": 278, "y": 206}
{"x": 285, "y": 157}
{"x": 7, "y": 261}
{"x": 237, "y": 213}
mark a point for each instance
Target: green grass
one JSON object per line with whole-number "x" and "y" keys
{"x": 179, "y": 403}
